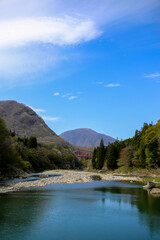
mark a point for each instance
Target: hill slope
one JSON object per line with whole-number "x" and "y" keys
{"x": 25, "y": 122}
{"x": 86, "y": 137}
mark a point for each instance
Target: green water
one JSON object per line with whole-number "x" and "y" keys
{"x": 88, "y": 211}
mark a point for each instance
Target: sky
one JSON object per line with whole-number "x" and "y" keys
{"x": 83, "y": 63}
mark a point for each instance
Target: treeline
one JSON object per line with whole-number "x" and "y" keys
{"x": 28, "y": 155}
{"x": 141, "y": 151}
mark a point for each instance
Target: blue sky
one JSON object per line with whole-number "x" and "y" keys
{"x": 92, "y": 64}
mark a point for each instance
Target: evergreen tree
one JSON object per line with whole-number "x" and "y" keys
{"x": 94, "y": 158}
{"x": 100, "y": 155}
{"x": 111, "y": 157}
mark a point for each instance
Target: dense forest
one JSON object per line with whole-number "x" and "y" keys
{"x": 28, "y": 155}
{"x": 141, "y": 151}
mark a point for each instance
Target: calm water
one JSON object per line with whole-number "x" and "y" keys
{"x": 82, "y": 211}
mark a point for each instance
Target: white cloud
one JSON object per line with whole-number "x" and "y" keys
{"x": 69, "y": 96}
{"x": 57, "y": 31}
{"x": 53, "y": 119}
{"x": 113, "y": 85}
{"x": 62, "y": 22}
{"x": 66, "y": 95}
{"x": 103, "y": 11}
{"x": 46, "y": 118}
{"x": 46, "y": 27}
{"x": 72, "y": 97}
{"x": 24, "y": 66}
{"x": 56, "y": 94}
{"x": 154, "y": 75}
{"x": 38, "y": 110}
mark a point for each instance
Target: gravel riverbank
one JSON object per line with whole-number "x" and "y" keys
{"x": 69, "y": 177}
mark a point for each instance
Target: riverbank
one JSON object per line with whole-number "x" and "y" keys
{"x": 68, "y": 177}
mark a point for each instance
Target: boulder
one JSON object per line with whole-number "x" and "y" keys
{"x": 155, "y": 191}
{"x": 149, "y": 185}
{"x": 96, "y": 178}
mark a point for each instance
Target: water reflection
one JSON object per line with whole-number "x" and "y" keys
{"x": 147, "y": 205}
{"x": 21, "y": 208}
{"x": 105, "y": 210}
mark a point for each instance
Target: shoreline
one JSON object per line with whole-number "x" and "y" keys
{"x": 68, "y": 177}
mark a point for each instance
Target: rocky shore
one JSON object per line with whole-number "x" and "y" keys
{"x": 69, "y": 177}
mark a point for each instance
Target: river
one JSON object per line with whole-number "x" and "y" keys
{"x": 81, "y": 211}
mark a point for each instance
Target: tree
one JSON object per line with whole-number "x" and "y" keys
{"x": 32, "y": 142}
{"x": 147, "y": 154}
{"x": 94, "y": 158}
{"x": 126, "y": 157}
{"x": 151, "y": 146}
{"x": 99, "y": 156}
{"x": 140, "y": 156}
{"x": 136, "y": 138}
{"x": 112, "y": 157}
{"x": 8, "y": 154}
{"x": 4, "y": 133}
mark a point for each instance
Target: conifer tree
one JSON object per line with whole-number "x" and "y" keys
{"x": 94, "y": 158}
{"x": 111, "y": 157}
{"x": 101, "y": 155}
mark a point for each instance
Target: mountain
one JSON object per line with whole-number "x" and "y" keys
{"x": 25, "y": 122}
{"x": 86, "y": 137}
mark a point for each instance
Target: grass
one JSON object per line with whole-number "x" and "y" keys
{"x": 79, "y": 179}
{"x": 141, "y": 172}
{"x": 151, "y": 179}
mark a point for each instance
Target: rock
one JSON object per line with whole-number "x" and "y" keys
{"x": 155, "y": 191}
{"x": 149, "y": 185}
{"x": 43, "y": 175}
{"x": 96, "y": 178}
{"x": 155, "y": 181}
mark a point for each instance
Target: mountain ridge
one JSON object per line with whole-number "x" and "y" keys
{"x": 26, "y": 123}
{"x": 86, "y": 137}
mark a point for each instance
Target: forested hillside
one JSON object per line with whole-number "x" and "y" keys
{"x": 141, "y": 151}
{"x": 28, "y": 155}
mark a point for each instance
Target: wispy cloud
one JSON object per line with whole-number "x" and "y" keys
{"x": 113, "y": 85}
{"x": 57, "y": 31}
{"x": 49, "y": 26}
{"x": 99, "y": 83}
{"x": 46, "y": 118}
{"x": 108, "y": 85}
{"x": 72, "y": 97}
{"x": 66, "y": 95}
{"x": 56, "y": 94}
{"x": 53, "y": 119}
{"x": 38, "y": 110}
{"x": 154, "y": 75}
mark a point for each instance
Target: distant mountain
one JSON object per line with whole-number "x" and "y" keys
{"x": 86, "y": 137}
{"x": 25, "y": 122}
